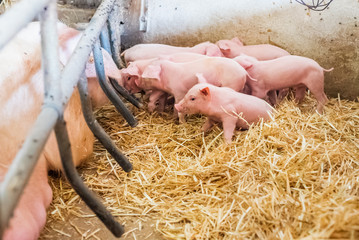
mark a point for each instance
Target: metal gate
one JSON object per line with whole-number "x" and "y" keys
{"x": 59, "y": 86}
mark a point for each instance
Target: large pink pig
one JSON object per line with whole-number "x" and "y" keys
{"x": 285, "y": 72}
{"x": 178, "y": 78}
{"x": 21, "y": 97}
{"x": 222, "y": 104}
{"x": 68, "y": 39}
{"x": 234, "y": 47}
{"x": 146, "y": 51}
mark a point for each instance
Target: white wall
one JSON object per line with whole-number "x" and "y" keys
{"x": 330, "y": 37}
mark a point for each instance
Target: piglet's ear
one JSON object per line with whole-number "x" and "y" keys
{"x": 205, "y": 92}
{"x": 246, "y": 64}
{"x": 137, "y": 82}
{"x": 201, "y": 78}
{"x": 131, "y": 70}
{"x": 152, "y": 71}
{"x": 213, "y": 51}
{"x": 241, "y": 60}
{"x": 223, "y": 45}
{"x": 236, "y": 40}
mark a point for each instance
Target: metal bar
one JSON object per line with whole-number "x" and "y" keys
{"x": 115, "y": 35}
{"x": 11, "y": 23}
{"x": 111, "y": 94}
{"x": 50, "y": 56}
{"x": 105, "y": 43}
{"x": 21, "y": 169}
{"x": 97, "y": 130}
{"x": 89, "y": 197}
{"x": 105, "y": 40}
{"x": 25, "y": 160}
{"x": 124, "y": 93}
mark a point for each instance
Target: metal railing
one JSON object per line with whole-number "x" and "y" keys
{"x": 59, "y": 86}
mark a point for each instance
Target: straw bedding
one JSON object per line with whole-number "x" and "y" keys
{"x": 296, "y": 177}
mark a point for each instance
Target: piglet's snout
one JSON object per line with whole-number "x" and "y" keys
{"x": 178, "y": 107}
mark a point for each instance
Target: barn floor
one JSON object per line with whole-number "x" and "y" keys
{"x": 296, "y": 177}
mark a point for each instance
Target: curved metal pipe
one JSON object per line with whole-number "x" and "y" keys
{"x": 105, "y": 44}
{"x": 76, "y": 182}
{"x": 105, "y": 39}
{"x": 117, "y": 102}
{"x": 97, "y": 130}
{"x": 124, "y": 93}
{"x": 114, "y": 30}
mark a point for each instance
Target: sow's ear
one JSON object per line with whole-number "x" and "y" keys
{"x": 205, "y": 92}
{"x": 152, "y": 71}
{"x": 110, "y": 67}
{"x": 236, "y": 40}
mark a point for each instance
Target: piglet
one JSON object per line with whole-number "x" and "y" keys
{"x": 146, "y": 51}
{"x": 284, "y": 72}
{"x": 178, "y": 78}
{"x": 222, "y": 104}
{"x": 134, "y": 70}
{"x": 233, "y": 48}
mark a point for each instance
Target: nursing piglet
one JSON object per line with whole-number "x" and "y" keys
{"x": 221, "y": 104}
{"x": 146, "y": 51}
{"x": 285, "y": 72}
{"x": 133, "y": 72}
{"x": 135, "y": 69}
{"x": 233, "y": 48}
{"x": 178, "y": 78}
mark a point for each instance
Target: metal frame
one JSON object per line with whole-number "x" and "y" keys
{"x": 316, "y": 5}
{"x": 59, "y": 87}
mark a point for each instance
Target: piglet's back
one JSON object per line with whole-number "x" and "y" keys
{"x": 232, "y": 102}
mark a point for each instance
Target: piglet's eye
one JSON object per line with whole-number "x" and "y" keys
{"x": 192, "y": 99}
{"x": 128, "y": 78}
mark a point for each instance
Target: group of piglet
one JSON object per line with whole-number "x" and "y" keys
{"x": 226, "y": 81}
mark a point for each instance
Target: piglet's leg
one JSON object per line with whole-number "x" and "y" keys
{"x": 273, "y": 97}
{"x": 229, "y": 124}
{"x": 162, "y": 102}
{"x": 154, "y": 97}
{"x": 207, "y": 125}
{"x": 181, "y": 116}
{"x": 317, "y": 89}
{"x": 282, "y": 94}
{"x": 30, "y": 214}
{"x": 300, "y": 93}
